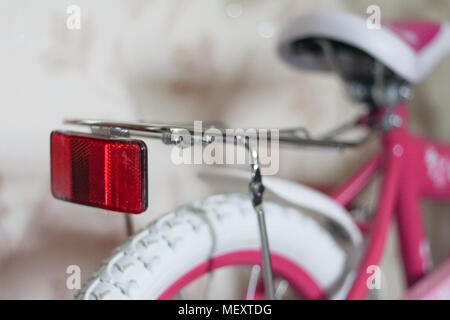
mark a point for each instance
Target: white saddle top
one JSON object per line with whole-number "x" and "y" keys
{"x": 410, "y": 48}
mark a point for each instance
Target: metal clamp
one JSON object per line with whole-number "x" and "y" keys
{"x": 256, "y": 189}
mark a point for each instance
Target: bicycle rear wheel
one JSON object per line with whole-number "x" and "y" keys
{"x": 212, "y": 234}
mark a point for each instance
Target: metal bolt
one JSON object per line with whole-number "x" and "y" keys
{"x": 392, "y": 121}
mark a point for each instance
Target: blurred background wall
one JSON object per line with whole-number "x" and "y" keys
{"x": 166, "y": 60}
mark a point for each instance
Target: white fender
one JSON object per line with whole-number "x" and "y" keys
{"x": 292, "y": 192}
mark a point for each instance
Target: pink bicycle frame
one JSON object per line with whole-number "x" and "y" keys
{"x": 414, "y": 168}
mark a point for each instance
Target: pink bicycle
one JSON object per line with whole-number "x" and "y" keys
{"x": 302, "y": 242}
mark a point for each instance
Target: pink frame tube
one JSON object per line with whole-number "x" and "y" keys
{"x": 382, "y": 217}
{"x": 351, "y": 188}
{"x": 408, "y": 175}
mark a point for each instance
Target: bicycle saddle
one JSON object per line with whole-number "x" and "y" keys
{"x": 410, "y": 49}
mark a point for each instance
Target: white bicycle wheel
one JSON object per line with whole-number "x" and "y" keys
{"x": 173, "y": 248}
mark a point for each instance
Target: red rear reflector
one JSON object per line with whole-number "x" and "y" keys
{"x": 103, "y": 172}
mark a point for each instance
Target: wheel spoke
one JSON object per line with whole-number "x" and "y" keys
{"x": 253, "y": 282}
{"x": 281, "y": 289}
{"x": 181, "y": 295}
{"x": 207, "y": 286}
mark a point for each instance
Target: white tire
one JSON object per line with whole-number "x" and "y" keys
{"x": 154, "y": 258}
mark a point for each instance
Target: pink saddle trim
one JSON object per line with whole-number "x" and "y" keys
{"x": 417, "y": 34}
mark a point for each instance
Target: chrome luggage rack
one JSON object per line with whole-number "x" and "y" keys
{"x": 169, "y": 133}
{"x": 174, "y": 134}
